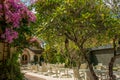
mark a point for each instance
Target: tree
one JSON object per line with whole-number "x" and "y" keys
{"x": 81, "y": 21}
{"x": 114, "y": 5}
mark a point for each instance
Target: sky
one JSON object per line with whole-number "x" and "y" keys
{"x": 28, "y": 2}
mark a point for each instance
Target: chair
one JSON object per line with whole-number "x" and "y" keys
{"x": 65, "y": 74}
{"x": 34, "y": 68}
{"x": 49, "y": 69}
{"x": 102, "y": 71}
{"x": 44, "y": 67}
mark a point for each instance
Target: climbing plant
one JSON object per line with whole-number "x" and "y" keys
{"x": 15, "y": 20}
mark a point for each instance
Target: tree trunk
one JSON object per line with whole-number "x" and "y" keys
{"x": 91, "y": 68}
{"x": 111, "y": 68}
{"x": 112, "y": 77}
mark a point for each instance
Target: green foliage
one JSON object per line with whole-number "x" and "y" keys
{"x": 87, "y": 23}
{"x": 60, "y": 58}
{"x": 80, "y": 21}
{"x": 50, "y": 55}
{"x": 25, "y": 33}
{"x": 11, "y": 69}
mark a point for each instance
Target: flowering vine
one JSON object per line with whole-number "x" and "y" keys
{"x": 13, "y": 14}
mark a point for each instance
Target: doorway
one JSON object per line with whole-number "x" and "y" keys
{"x": 24, "y": 59}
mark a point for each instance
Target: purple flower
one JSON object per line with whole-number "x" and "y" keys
{"x": 0, "y": 6}
{"x": 33, "y": 1}
{"x": 15, "y": 12}
{"x": 33, "y": 39}
{"x": 9, "y": 35}
{"x": 32, "y": 17}
{"x": 15, "y": 34}
{"x": 16, "y": 20}
{"x": 8, "y": 16}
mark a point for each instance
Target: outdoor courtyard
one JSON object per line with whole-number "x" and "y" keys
{"x": 59, "y": 72}
{"x": 59, "y": 39}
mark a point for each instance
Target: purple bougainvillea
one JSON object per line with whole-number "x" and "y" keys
{"x": 10, "y": 35}
{"x": 12, "y": 14}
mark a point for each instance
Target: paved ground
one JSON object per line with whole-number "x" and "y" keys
{"x": 30, "y": 77}
{"x": 37, "y": 76}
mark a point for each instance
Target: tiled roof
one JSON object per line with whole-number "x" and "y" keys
{"x": 36, "y": 51}
{"x": 102, "y": 47}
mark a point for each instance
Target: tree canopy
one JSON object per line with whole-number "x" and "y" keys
{"x": 80, "y": 21}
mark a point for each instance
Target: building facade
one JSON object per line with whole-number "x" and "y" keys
{"x": 104, "y": 54}
{"x": 31, "y": 56}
